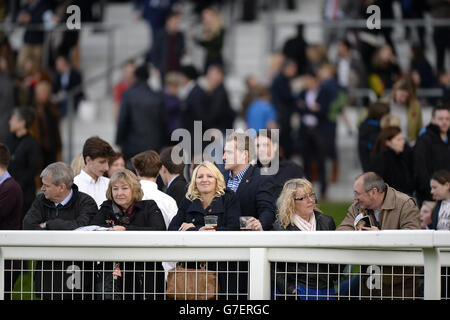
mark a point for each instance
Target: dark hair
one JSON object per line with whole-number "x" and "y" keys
{"x": 377, "y": 110}
{"x": 269, "y": 133}
{"x": 141, "y": 73}
{"x": 346, "y": 43}
{"x": 95, "y": 147}
{"x": 189, "y": 71}
{"x": 385, "y": 134}
{"x": 64, "y": 57}
{"x": 166, "y": 161}
{"x": 440, "y": 107}
{"x": 114, "y": 157}
{"x": 147, "y": 164}
{"x": 5, "y": 155}
{"x": 441, "y": 176}
{"x": 217, "y": 66}
{"x": 26, "y": 114}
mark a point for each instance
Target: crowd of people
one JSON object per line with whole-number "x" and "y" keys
{"x": 405, "y": 180}
{"x": 124, "y": 199}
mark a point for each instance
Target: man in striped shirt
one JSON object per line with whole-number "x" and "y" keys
{"x": 253, "y": 190}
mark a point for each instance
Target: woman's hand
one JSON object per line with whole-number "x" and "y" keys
{"x": 185, "y": 226}
{"x": 117, "y": 228}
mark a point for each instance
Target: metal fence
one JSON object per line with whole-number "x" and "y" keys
{"x": 331, "y": 265}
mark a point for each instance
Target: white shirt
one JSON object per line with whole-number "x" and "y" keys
{"x": 343, "y": 72}
{"x": 166, "y": 203}
{"x": 96, "y": 189}
{"x": 444, "y": 216}
{"x": 310, "y": 98}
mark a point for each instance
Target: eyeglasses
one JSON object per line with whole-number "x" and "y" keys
{"x": 357, "y": 194}
{"x": 311, "y": 196}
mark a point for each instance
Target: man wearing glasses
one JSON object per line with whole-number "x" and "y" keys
{"x": 387, "y": 209}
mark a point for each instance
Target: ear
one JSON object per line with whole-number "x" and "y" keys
{"x": 87, "y": 160}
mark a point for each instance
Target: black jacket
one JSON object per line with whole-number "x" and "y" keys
{"x": 430, "y": 154}
{"x": 435, "y": 216}
{"x": 142, "y": 121}
{"x": 220, "y": 114}
{"x": 78, "y": 212}
{"x": 146, "y": 216}
{"x": 36, "y": 12}
{"x": 160, "y": 54}
{"x": 255, "y": 196}
{"x": 367, "y": 135}
{"x": 24, "y": 165}
{"x": 288, "y": 273}
{"x": 287, "y": 170}
{"x": 177, "y": 189}
{"x": 75, "y": 79}
{"x": 226, "y": 208}
{"x": 194, "y": 108}
{"x": 395, "y": 169}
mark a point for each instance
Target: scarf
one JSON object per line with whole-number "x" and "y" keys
{"x": 304, "y": 225}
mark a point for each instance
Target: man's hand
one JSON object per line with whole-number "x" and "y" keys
{"x": 372, "y": 228}
{"x": 254, "y": 224}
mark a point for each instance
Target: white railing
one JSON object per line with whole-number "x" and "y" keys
{"x": 424, "y": 248}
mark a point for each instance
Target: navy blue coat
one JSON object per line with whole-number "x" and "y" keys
{"x": 142, "y": 121}
{"x": 435, "y": 216}
{"x": 255, "y": 194}
{"x": 226, "y": 208}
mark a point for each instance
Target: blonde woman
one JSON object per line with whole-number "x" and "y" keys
{"x": 297, "y": 211}
{"x": 207, "y": 195}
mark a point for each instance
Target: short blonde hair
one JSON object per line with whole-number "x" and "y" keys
{"x": 286, "y": 202}
{"x": 430, "y": 204}
{"x": 129, "y": 178}
{"x": 389, "y": 120}
{"x": 193, "y": 192}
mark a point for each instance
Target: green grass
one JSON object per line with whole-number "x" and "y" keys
{"x": 23, "y": 286}
{"x": 338, "y": 210}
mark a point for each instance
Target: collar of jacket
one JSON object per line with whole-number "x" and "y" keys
{"x": 215, "y": 207}
{"x": 389, "y": 199}
{"x": 433, "y": 128}
{"x": 51, "y": 204}
{"x": 246, "y": 178}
